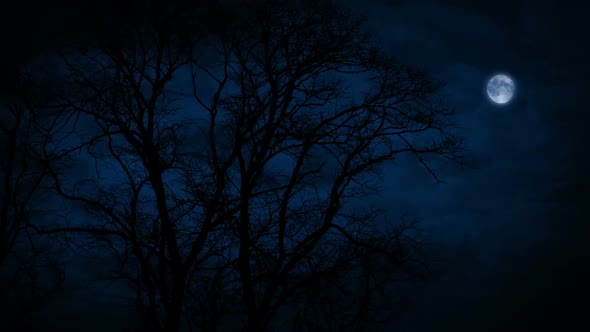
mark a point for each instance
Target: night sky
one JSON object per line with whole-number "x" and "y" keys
{"x": 508, "y": 231}
{"x": 516, "y": 225}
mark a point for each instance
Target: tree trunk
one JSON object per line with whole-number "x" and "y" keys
{"x": 244, "y": 263}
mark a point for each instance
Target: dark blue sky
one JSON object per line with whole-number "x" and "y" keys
{"x": 510, "y": 231}
{"x": 515, "y": 226}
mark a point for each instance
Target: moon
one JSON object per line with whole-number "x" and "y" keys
{"x": 500, "y": 89}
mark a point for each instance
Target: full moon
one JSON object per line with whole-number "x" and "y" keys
{"x": 500, "y": 89}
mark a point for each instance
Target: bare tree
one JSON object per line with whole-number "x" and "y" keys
{"x": 29, "y": 272}
{"x": 283, "y": 95}
{"x": 21, "y": 174}
{"x": 227, "y": 207}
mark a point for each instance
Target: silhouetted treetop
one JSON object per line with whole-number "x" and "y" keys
{"x": 229, "y": 159}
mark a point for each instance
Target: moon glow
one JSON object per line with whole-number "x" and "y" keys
{"x": 500, "y": 89}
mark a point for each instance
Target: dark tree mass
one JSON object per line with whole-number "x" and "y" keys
{"x": 222, "y": 166}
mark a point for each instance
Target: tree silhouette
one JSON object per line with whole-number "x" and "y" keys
{"x": 29, "y": 273}
{"x": 228, "y": 203}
